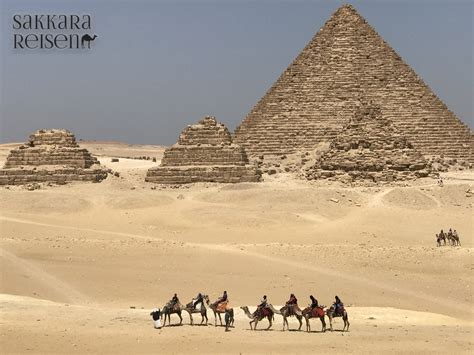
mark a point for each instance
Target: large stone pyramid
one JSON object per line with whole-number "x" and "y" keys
{"x": 369, "y": 148}
{"x": 318, "y": 94}
{"x": 204, "y": 153}
{"x": 50, "y": 156}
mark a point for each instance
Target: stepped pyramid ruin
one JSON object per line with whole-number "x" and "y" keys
{"x": 317, "y": 94}
{"x": 50, "y": 156}
{"x": 369, "y": 148}
{"x": 204, "y": 153}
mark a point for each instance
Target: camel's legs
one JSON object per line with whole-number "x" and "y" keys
{"x": 301, "y": 322}
{"x": 269, "y": 322}
{"x": 220, "y": 318}
{"x": 180, "y": 318}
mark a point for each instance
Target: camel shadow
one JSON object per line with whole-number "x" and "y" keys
{"x": 173, "y": 325}
{"x": 317, "y": 331}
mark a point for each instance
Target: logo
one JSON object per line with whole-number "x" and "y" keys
{"x": 52, "y": 32}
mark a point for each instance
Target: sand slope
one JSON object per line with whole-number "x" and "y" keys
{"x": 78, "y": 256}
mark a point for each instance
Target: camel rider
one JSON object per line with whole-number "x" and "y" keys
{"x": 174, "y": 301}
{"x": 199, "y": 299}
{"x": 450, "y": 232}
{"x": 221, "y": 299}
{"x": 291, "y": 303}
{"x": 314, "y": 302}
{"x": 263, "y": 304}
{"x": 338, "y": 306}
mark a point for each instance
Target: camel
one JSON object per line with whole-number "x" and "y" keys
{"x": 309, "y": 313}
{"x": 202, "y": 310}
{"x": 168, "y": 310}
{"x": 285, "y": 313}
{"x": 88, "y": 39}
{"x": 219, "y": 310}
{"x": 258, "y": 316}
{"x": 440, "y": 237}
{"x": 455, "y": 239}
{"x": 331, "y": 313}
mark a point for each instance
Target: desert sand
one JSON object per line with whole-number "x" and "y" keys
{"x": 83, "y": 264}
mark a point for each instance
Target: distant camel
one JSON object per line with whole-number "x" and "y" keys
{"x": 331, "y": 313}
{"x": 202, "y": 310}
{"x": 285, "y": 312}
{"x": 440, "y": 237}
{"x": 318, "y": 312}
{"x": 88, "y": 39}
{"x": 258, "y": 316}
{"x": 168, "y": 310}
{"x": 219, "y": 310}
{"x": 455, "y": 239}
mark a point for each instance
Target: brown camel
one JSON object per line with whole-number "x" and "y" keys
{"x": 168, "y": 310}
{"x": 331, "y": 313}
{"x": 309, "y": 313}
{"x": 222, "y": 310}
{"x": 285, "y": 313}
{"x": 202, "y": 310}
{"x": 258, "y": 316}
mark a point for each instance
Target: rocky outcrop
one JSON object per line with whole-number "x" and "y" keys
{"x": 50, "y": 156}
{"x": 204, "y": 153}
{"x": 318, "y": 93}
{"x": 369, "y": 148}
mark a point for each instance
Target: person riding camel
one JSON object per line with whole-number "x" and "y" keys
{"x": 174, "y": 301}
{"x": 314, "y": 302}
{"x": 292, "y": 303}
{"x": 221, "y": 299}
{"x": 199, "y": 300}
{"x": 450, "y": 233}
{"x": 263, "y": 304}
{"x": 338, "y": 306}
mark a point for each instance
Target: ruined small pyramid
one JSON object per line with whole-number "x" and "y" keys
{"x": 318, "y": 93}
{"x": 369, "y": 148}
{"x": 204, "y": 153}
{"x": 51, "y": 155}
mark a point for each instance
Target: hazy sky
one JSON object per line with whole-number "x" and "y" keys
{"x": 160, "y": 65}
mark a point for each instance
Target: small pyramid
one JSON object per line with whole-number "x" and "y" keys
{"x": 51, "y": 155}
{"x": 369, "y": 148}
{"x": 204, "y": 153}
{"x": 318, "y": 93}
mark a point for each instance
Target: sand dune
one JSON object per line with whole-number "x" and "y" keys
{"x": 76, "y": 257}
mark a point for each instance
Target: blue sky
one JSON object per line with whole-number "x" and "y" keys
{"x": 160, "y": 65}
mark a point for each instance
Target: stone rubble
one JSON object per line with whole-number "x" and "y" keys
{"x": 369, "y": 148}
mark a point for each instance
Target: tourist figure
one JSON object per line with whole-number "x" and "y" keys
{"x": 221, "y": 299}
{"x": 263, "y": 304}
{"x": 314, "y": 302}
{"x": 174, "y": 301}
{"x": 291, "y": 303}
{"x": 199, "y": 300}
{"x": 338, "y": 306}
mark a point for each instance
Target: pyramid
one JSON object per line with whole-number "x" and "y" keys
{"x": 318, "y": 94}
{"x": 50, "y": 156}
{"x": 204, "y": 153}
{"x": 369, "y": 148}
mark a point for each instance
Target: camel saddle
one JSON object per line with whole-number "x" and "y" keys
{"x": 263, "y": 312}
{"x": 317, "y": 312}
{"x": 223, "y": 306}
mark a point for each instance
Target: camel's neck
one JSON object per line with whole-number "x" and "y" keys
{"x": 247, "y": 312}
{"x": 274, "y": 310}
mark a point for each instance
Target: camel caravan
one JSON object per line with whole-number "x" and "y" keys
{"x": 265, "y": 310}
{"x": 451, "y": 236}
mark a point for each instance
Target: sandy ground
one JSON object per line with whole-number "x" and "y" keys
{"x": 75, "y": 259}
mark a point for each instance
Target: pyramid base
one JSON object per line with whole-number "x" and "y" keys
{"x": 192, "y": 174}
{"x": 56, "y": 175}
